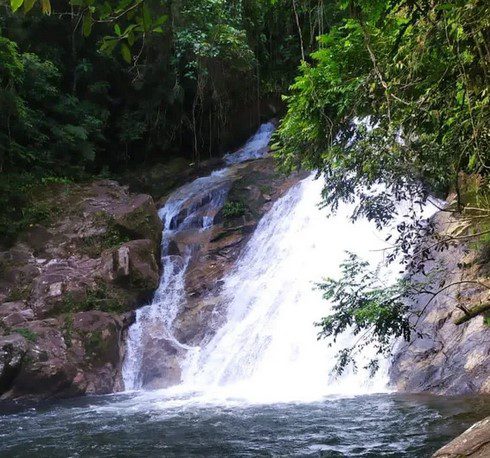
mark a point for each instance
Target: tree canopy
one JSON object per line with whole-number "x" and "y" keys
{"x": 393, "y": 106}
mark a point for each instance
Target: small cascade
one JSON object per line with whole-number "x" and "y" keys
{"x": 255, "y": 148}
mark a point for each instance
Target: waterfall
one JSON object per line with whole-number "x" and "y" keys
{"x": 267, "y": 349}
{"x": 188, "y": 214}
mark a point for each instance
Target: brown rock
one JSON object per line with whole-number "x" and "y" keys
{"x": 132, "y": 264}
{"x": 139, "y": 218}
{"x": 474, "y": 443}
{"x": 46, "y": 369}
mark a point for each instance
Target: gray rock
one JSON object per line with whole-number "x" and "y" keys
{"x": 447, "y": 359}
{"x": 12, "y": 351}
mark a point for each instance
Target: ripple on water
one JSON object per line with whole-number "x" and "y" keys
{"x": 148, "y": 425}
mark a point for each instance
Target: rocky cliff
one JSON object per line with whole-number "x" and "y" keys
{"x": 448, "y": 358}
{"x": 68, "y": 288}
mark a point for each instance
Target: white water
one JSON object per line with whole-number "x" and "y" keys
{"x": 192, "y": 207}
{"x": 267, "y": 350}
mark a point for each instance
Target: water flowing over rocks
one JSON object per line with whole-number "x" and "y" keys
{"x": 448, "y": 359}
{"x": 68, "y": 289}
{"x": 203, "y": 242}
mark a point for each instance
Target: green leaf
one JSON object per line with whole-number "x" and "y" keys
{"x": 16, "y": 4}
{"x": 46, "y": 7}
{"x": 146, "y": 18}
{"x": 87, "y": 25}
{"x": 126, "y": 52}
{"x": 117, "y": 30}
{"x": 28, "y": 4}
{"x": 108, "y": 45}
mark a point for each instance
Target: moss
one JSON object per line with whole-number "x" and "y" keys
{"x": 68, "y": 329}
{"x": 27, "y": 333}
{"x": 233, "y": 209}
{"x": 266, "y": 189}
{"x": 19, "y": 293}
{"x": 113, "y": 237}
{"x": 94, "y": 343}
{"x": 101, "y": 297}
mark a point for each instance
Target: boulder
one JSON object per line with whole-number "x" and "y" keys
{"x": 139, "y": 218}
{"x": 12, "y": 351}
{"x": 14, "y": 314}
{"x": 474, "y": 443}
{"x": 133, "y": 264}
{"x": 47, "y": 369}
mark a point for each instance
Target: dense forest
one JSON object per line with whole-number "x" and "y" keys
{"x": 394, "y": 106}
{"x": 94, "y": 88}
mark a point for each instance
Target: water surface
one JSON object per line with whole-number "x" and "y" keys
{"x": 156, "y": 424}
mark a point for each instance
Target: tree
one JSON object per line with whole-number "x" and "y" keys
{"x": 394, "y": 106}
{"x": 131, "y": 20}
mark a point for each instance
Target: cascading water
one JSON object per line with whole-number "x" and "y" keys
{"x": 267, "y": 349}
{"x": 187, "y": 216}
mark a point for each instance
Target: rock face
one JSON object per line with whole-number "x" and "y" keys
{"x": 448, "y": 359}
{"x": 474, "y": 443}
{"x": 68, "y": 288}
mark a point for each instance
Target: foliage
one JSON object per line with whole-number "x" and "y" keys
{"x": 112, "y": 238}
{"x": 424, "y": 107}
{"x": 393, "y": 106}
{"x": 39, "y": 126}
{"x": 98, "y": 297}
{"x": 363, "y": 302}
{"x": 131, "y": 20}
{"x": 31, "y": 336}
{"x": 72, "y": 107}
{"x": 233, "y": 209}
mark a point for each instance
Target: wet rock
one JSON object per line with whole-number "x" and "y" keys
{"x": 12, "y": 351}
{"x": 474, "y": 443}
{"x": 167, "y": 372}
{"x": 257, "y": 185}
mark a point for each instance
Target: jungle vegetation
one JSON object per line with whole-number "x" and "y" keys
{"x": 94, "y": 88}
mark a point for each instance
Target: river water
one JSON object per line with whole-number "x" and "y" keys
{"x": 158, "y": 424}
